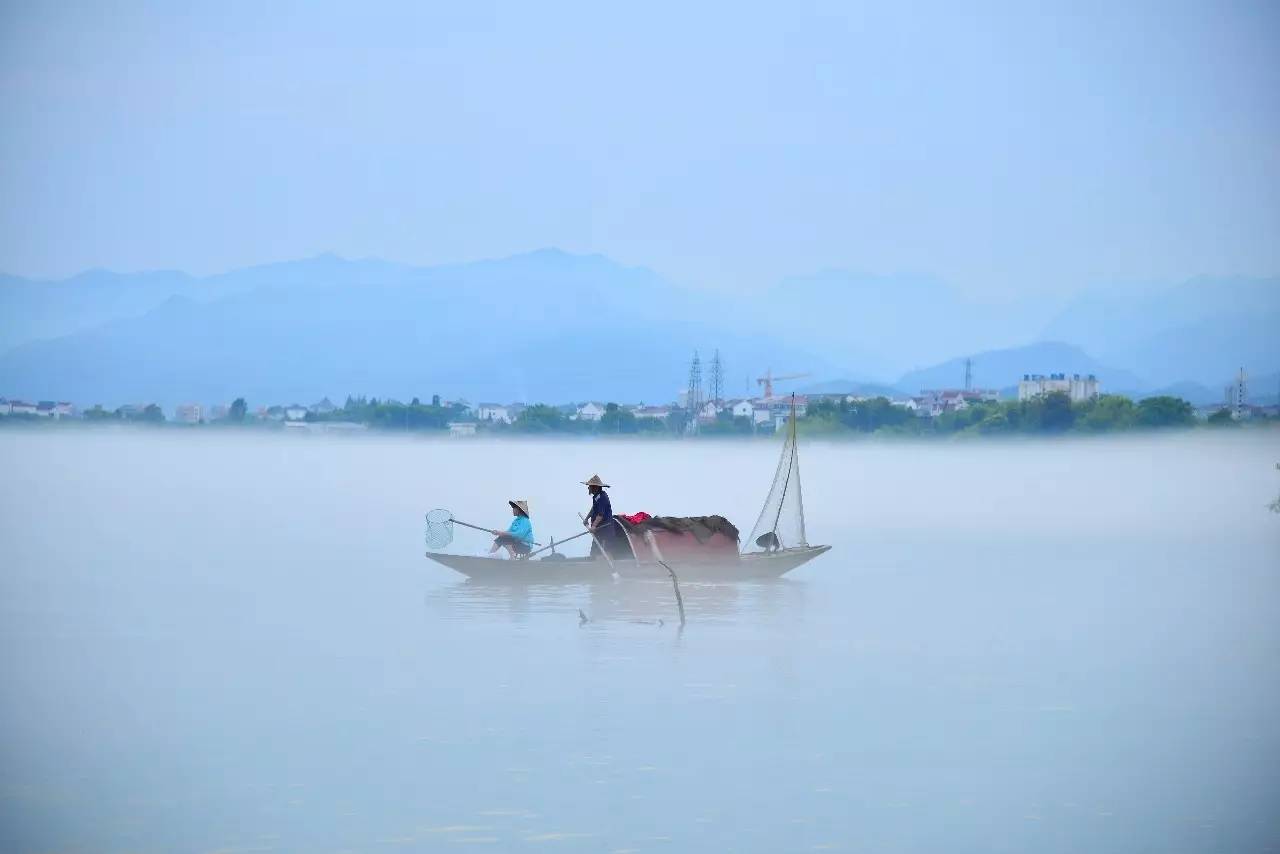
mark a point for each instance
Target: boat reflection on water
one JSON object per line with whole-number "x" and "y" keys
{"x": 623, "y": 599}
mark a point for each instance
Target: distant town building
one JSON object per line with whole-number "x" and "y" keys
{"x": 324, "y": 407}
{"x": 590, "y": 411}
{"x": 931, "y": 403}
{"x": 295, "y": 413}
{"x": 777, "y": 410}
{"x": 462, "y": 428}
{"x": 651, "y": 411}
{"x": 219, "y": 411}
{"x": 709, "y": 411}
{"x": 188, "y": 413}
{"x": 493, "y": 412}
{"x": 21, "y": 407}
{"x": 1237, "y": 397}
{"x": 742, "y": 408}
{"x": 1078, "y": 387}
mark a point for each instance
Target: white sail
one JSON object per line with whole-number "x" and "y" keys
{"x": 781, "y": 521}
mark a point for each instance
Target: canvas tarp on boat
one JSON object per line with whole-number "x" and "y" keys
{"x": 684, "y": 538}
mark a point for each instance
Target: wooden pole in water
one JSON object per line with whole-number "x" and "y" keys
{"x": 675, "y": 582}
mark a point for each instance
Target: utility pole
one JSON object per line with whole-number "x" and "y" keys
{"x": 968, "y": 374}
{"x": 717, "y": 380}
{"x": 693, "y": 400}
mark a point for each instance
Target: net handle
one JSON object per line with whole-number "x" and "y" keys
{"x": 454, "y": 521}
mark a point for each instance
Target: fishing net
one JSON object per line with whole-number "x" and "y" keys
{"x": 781, "y": 522}
{"x": 439, "y": 531}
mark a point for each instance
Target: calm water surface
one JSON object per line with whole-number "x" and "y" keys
{"x": 232, "y": 643}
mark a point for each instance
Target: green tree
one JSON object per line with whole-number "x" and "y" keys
{"x": 1165, "y": 411}
{"x": 239, "y": 409}
{"x": 617, "y": 420}
{"x": 727, "y": 424}
{"x": 1054, "y": 412}
{"x": 1106, "y": 413}
{"x": 678, "y": 421}
{"x": 1222, "y": 418}
{"x": 539, "y": 418}
{"x": 97, "y": 413}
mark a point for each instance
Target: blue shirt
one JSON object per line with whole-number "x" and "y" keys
{"x": 522, "y": 529}
{"x": 601, "y": 509}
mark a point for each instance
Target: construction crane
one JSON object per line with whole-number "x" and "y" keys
{"x": 769, "y": 379}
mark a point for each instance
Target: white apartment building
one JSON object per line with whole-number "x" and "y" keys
{"x": 1076, "y": 386}
{"x": 188, "y": 413}
{"x": 1237, "y": 397}
{"x": 493, "y": 412}
{"x": 590, "y": 411}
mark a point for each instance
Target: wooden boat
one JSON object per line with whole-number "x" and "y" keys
{"x": 778, "y": 538}
{"x": 585, "y": 570}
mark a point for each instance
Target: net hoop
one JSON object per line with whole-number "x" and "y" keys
{"x": 439, "y": 529}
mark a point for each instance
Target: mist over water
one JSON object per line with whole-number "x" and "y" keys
{"x": 229, "y": 641}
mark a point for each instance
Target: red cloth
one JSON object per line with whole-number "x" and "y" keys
{"x": 637, "y": 518}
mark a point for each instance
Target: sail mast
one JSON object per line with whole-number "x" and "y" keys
{"x": 781, "y": 520}
{"x": 795, "y": 464}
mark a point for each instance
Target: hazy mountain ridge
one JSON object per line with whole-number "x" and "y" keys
{"x": 882, "y": 325}
{"x": 554, "y": 325}
{"x": 540, "y": 326}
{"x": 1001, "y": 369}
{"x": 1201, "y": 330}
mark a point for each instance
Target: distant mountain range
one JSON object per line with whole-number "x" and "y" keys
{"x": 550, "y": 325}
{"x": 1001, "y": 369}
{"x": 1202, "y": 330}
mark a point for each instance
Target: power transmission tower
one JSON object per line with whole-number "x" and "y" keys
{"x": 694, "y": 396}
{"x": 717, "y": 380}
{"x": 968, "y": 374}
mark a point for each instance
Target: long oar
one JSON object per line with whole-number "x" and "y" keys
{"x": 599, "y": 544}
{"x": 557, "y": 543}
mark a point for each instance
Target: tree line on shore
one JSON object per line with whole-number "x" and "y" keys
{"x": 1052, "y": 413}
{"x": 1048, "y": 414}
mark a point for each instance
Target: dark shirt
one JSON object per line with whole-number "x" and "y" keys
{"x": 601, "y": 509}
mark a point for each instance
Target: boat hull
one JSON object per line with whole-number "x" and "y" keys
{"x": 579, "y": 570}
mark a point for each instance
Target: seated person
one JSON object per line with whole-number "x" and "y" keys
{"x": 518, "y": 539}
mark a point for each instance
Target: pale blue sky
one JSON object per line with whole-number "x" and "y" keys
{"x": 1020, "y": 147}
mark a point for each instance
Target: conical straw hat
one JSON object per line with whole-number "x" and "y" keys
{"x": 596, "y": 481}
{"x": 521, "y": 505}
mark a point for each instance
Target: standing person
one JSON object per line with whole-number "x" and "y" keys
{"x": 600, "y": 519}
{"x": 518, "y": 538}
